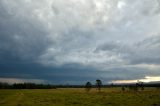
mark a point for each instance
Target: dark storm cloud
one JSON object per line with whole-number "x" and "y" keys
{"x": 21, "y": 38}
{"x": 73, "y": 41}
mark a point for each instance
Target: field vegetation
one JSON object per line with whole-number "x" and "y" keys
{"x": 115, "y": 96}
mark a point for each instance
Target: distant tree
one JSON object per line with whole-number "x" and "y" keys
{"x": 141, "y": 85}
{"x": 133, "y": 88}
{"x": 112, "y": 85}
{"x": 98, "y": 84}
{"x": 123, "y": 88}
{"x": 88, "y": 86}
{"x": 4, "y": 85}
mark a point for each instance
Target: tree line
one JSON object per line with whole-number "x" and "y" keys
{"x": 25, "y": 86}
{"x": 88, "y": 86}
{"x": 132, "y": 87}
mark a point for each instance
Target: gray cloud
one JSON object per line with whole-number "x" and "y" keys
{"x": 147, "y": 51}
{"x": 104, "y": 35}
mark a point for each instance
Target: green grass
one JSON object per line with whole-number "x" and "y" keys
{"x": 79, "y": 97}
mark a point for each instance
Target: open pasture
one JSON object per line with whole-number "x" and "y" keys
{"x": 79, "y": 97}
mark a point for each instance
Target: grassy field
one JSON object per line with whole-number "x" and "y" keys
{"x": 79, "y": 97}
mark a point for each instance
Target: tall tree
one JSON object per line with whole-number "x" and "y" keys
{"x": 98, "y": 84}
{"x": 88, "y": 86}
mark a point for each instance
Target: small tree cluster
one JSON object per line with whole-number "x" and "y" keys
{"x": 98, "y": 85}
{"x": 137, "y": 86}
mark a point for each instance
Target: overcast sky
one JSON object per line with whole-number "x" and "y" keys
{"x": 74, "y": 41}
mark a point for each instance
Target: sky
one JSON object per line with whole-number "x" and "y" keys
{"x": 75, "y": 41}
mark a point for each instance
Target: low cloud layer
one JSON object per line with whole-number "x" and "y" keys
{"x": 76, "y": 40}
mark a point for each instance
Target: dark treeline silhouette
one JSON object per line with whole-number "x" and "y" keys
{"x": 140, "y": 86}
{"x": 36, "y": 86}
{"x": 25, "y": 86}
{"x": 88, "y": 86}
